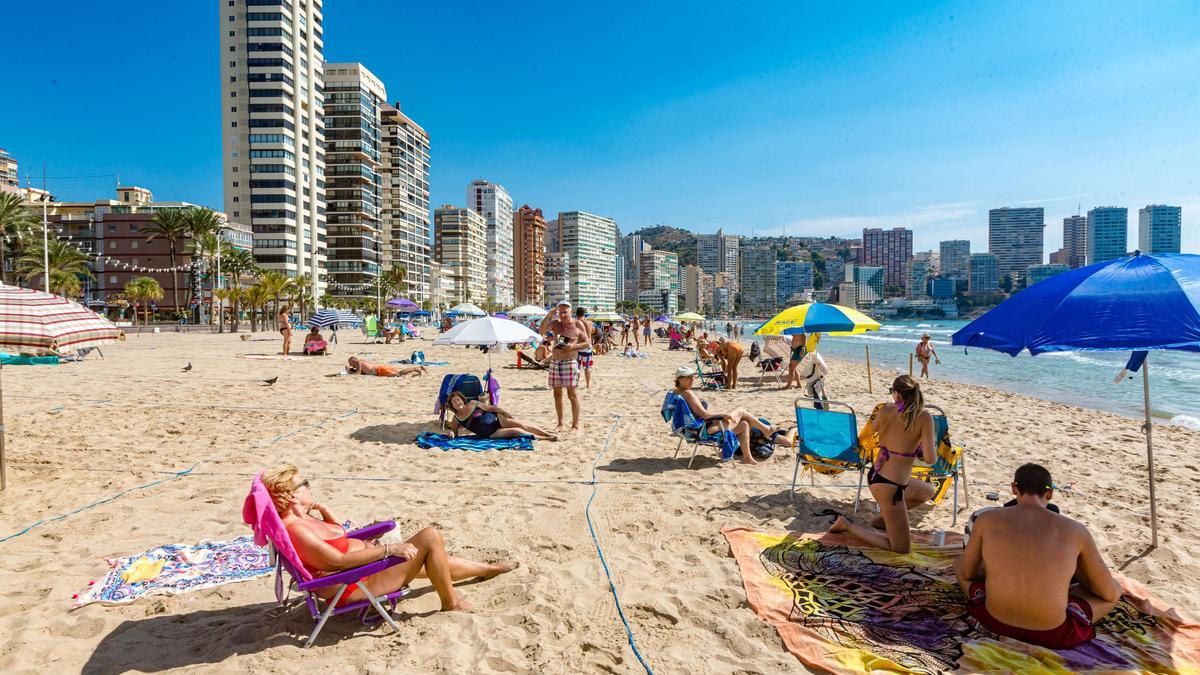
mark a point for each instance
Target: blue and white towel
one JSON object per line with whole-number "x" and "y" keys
{"x": 474, "y": 443}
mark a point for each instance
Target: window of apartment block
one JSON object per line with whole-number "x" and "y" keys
{"x": 133, "y": 244}
{"x": 112, "y": 227}
{"x": 112, "y": 244}
{"x": 112, "y": 279}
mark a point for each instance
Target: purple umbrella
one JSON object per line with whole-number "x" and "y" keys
{"x": 661, "y": 317}
{"x": 401, "y": 303}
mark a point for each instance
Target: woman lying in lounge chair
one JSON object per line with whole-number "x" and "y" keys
{"x": 487, "y": 421}
{"x": 324, "y": 548}
{"x": 739, "y": 421}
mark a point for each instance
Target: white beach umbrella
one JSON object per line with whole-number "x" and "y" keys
{"x": 487, "y": 332}
{"x": 528, "y": 312}
{"x": 467, "y": 309}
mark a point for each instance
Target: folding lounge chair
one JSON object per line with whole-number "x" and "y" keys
{"x": 774, "y": 358}
{"x": 828, "y": 442}
{"x": 259, "y": 512}
{"x": 710, "y": 374}
{"x": 949, "y": 467}
{"x": 675, "y": 411}
{"x": 486, "y": 389}
{"x": 370, "y": 329}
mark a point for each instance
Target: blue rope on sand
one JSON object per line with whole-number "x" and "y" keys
{"x": 106, "y": 500}
{"x": 612, "y": 587}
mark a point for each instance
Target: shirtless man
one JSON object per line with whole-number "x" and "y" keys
{"x": 357, "y": 366}
{"x": 1032, "y": 574}
{"x": 285, "y": 328}
{"x": 731, "y": 354}
{"x": 586, "y": 356}
{"x": 571, "y": 337}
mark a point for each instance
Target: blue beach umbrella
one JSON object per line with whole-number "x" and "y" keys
{"x": 329, "y": 317}
{"x": 1136, "y": 303}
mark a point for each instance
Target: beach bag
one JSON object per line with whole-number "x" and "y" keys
{"x": 761, "y": 447}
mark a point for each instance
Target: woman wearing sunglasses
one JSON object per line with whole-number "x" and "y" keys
{"x": 905, "y": 430}
{"x": 324, "y": 548}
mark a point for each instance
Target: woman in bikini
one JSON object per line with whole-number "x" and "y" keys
{"x": 905, "y": 430}
{"x": 324, "y": 548}
{"x": 285, "y": 329}
{"x": 924, "y": 351}
{"x": 740, "y": 421}
{"x": 486, "y": 421}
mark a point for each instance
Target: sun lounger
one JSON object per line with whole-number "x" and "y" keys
{"x": 259, "y": 512}
{"x": 710, "y": 374}
{"x": 687, "y": 427}
{"x": 827, "y": 442}
{"x": 775, "y": 355}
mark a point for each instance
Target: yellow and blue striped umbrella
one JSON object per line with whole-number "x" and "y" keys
{"x": 817, "y": 317}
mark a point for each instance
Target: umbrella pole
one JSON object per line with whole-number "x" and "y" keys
{"x": 870, "y": 390}
{"x": 3, "y": 476}
{"x": 1149, "y": 454}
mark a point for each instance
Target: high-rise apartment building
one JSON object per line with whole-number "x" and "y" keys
{"x": 954, "y": 256}
{"x": 553, "y": 241}
{"x": 720, "y": 254}
{"x": 1015, "y": 237}
{"x": 353, "y": 186}
{"x": 1107, "y": 233}
{"x": 529, "y": 256}
{"x": 889, "y": 249}
{"x": 758, "y": 282}
{"x": 273, "y": 148}
{"x": 619, "y": 278}
{"x": 1160, "y": 228}
{"x": 1075, "y": 240}
{"x": 866, "y": 285}
{"x": 405, "y": 178}
{"x": 10, "y": 180}
{"x": 492, "y": 201}
{"x": 932, "y": 260}
{"x": 697, "y": 290}
{"x": 460, "y": 243}
{"x": 658, "y": 285}
{"x": 793, "y": 282}
{"x": 918, "y": 279}
{"x": 983, "y": 272}
{"x": 590, "y": 242}
{"x": 630, "y": 249}
{"x": 558, "y": 277}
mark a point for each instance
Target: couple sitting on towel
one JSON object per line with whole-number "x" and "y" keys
{"x": 1028, "y": 572}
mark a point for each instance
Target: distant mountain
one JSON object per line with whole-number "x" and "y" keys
{"x": 666, "y": 238}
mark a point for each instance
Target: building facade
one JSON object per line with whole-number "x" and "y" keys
{"x": 558, "y": 277}
{"x": 720, "y": 253}
{"x": 793, "y": 282}
{"x": 10, "y": 179}
{"x": 1075, "y": 240}
{"x": 658, "y": 284}
{"x": 1015, "y": 237}
{"x": 460, "y": 243}
{"x": 1042, "y": 272}
{"x": 983, "y": 272}
{"x": 869, "y": 282}
{"x": 353, "y": 184}
{"x": 889, "y": 249}
{"x": 697, "y": 290}
{"x": 758, "y": 282}
{"x": 590, "y": 242}
{"x": 954, "y": 256}
{"x": 630, "y": 249}
{"x": 932, "y": 260}
{"x": 273, "y": 149}
{"x": 405, "y": 213}
{"x": 529, "y": 256}
{"x": 493, "y": 203}
{"x": 1160, "y": 228}
{"x": 918, "y": 279}
{"x": 1107, "y": 233}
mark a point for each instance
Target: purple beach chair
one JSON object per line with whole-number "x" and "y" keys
{"x": 259, "y": 512}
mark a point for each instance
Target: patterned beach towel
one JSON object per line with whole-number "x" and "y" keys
{"x": 840, "y": 606}
{"x": 443, "y": 442}
{"x": 178, "y": 568}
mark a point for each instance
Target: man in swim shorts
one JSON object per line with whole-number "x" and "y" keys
{"x": 1032, "y": 574}
{"x": 357, "y": 366}
{"x": 570, "y": 338}
{"x": 586, "y": 356}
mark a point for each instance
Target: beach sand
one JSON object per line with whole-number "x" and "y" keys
{"x": 78, "y": 433}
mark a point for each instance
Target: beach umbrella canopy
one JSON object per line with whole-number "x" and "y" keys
{"x": 33, "y": 320}
{"x": 661, "y": 317}
{"x": 467, "y": 309}
{"x": 401, "y": 303}
{"x": 817, "y": 317}
{"x": 488, "y": 332}
{"x": 325, "y": 318}
{"x": 528, "y": 312}
{"x": 1135, "y": 303}
{"x": 688, "y": 316}
{"x": 611, "y": 317}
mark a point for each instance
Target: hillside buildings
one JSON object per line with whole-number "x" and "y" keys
{"x": 273, "y": 148}
{"x": 793, "y": 282}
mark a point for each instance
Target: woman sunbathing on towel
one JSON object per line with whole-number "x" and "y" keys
{"x": 740, "y": 422}
{"x": 486, "y": 421}
{"x": 324, "y": 548}
{"x": 905, "y": 431}
{"x": 357, "y": 366}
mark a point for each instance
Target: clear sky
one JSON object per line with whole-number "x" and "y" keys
{"x": 788, "y": 116}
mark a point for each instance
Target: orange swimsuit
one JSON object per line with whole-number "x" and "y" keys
{"x": 342, "y": 544}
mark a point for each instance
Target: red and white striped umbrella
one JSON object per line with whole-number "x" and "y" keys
{"x": 32, "y": 319}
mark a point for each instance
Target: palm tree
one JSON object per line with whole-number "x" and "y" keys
{"x": 207, "y": 246}
{"x": 15, "y": 219}
{"x": 238, "y": 263}
{"x": 235, "y": 296}
{"x": 278, "y": 285}
{"x": 395, "y": 281}
{"x": 302, "y": 296}
{"x": 170, "y": 224}
{"x": 256, "y": 297}
{"x": 67, "y": 266}
{"x": 143, "y": 290}
{"x": 199, "y": 222}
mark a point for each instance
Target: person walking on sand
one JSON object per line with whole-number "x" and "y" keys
{"x": 570, "y": 338}
{"x": 1032, "y": 574}
{"x": 924, "y": 351}
{"x": 285, "y": 328}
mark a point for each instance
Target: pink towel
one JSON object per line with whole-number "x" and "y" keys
{"x": 259, "y": 513}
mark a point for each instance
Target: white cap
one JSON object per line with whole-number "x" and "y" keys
{"x": 684, "y": 371}
{"x": 562, "y": 302}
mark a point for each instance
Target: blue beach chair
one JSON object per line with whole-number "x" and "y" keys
{"x": 675, "y": 411}
{"x": 827, "y": 442}
{"x": 949, "y": 468}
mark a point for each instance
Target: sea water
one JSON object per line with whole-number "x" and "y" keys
{"x": 1077, "y": 378}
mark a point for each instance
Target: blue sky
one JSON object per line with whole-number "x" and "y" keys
{"x": 789, "y": 116}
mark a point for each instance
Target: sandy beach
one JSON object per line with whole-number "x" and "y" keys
{"x": 78, "y": 433}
